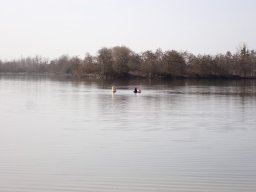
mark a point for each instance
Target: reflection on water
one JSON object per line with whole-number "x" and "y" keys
{"x": 66, "y": 135}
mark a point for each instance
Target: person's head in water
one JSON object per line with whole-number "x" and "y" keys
{"x": 135, "y": 90}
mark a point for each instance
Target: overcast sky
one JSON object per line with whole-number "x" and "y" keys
{"x": 51, "y": 28}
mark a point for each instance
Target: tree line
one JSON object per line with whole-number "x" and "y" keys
{"x": 122, "y": 62}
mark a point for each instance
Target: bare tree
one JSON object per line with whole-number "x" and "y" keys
{"x": 121, "y": 56}
{"x": 105, "y": 62}
{"x": 174, "y": 63}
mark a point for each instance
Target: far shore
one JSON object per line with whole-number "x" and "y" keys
{"x": 130, "y": 77}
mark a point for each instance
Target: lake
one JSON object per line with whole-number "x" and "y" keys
{"x": 58, "y": 134}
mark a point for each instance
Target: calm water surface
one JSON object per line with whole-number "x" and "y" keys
{"x": 182, "y": 136}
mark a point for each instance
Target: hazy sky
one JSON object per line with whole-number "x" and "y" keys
{"x": 54, "y": 27}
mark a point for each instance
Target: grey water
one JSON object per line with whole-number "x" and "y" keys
{"x": 176, "y": 136}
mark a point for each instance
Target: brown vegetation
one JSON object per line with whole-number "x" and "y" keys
{"x": 121, "y": 62}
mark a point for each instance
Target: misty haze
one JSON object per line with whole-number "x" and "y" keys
{"x": 127, "y": 96}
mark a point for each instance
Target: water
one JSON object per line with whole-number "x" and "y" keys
{"x": 181, "y": 136}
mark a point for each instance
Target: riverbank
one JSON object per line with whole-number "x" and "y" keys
{"x": 131, "y": 77}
